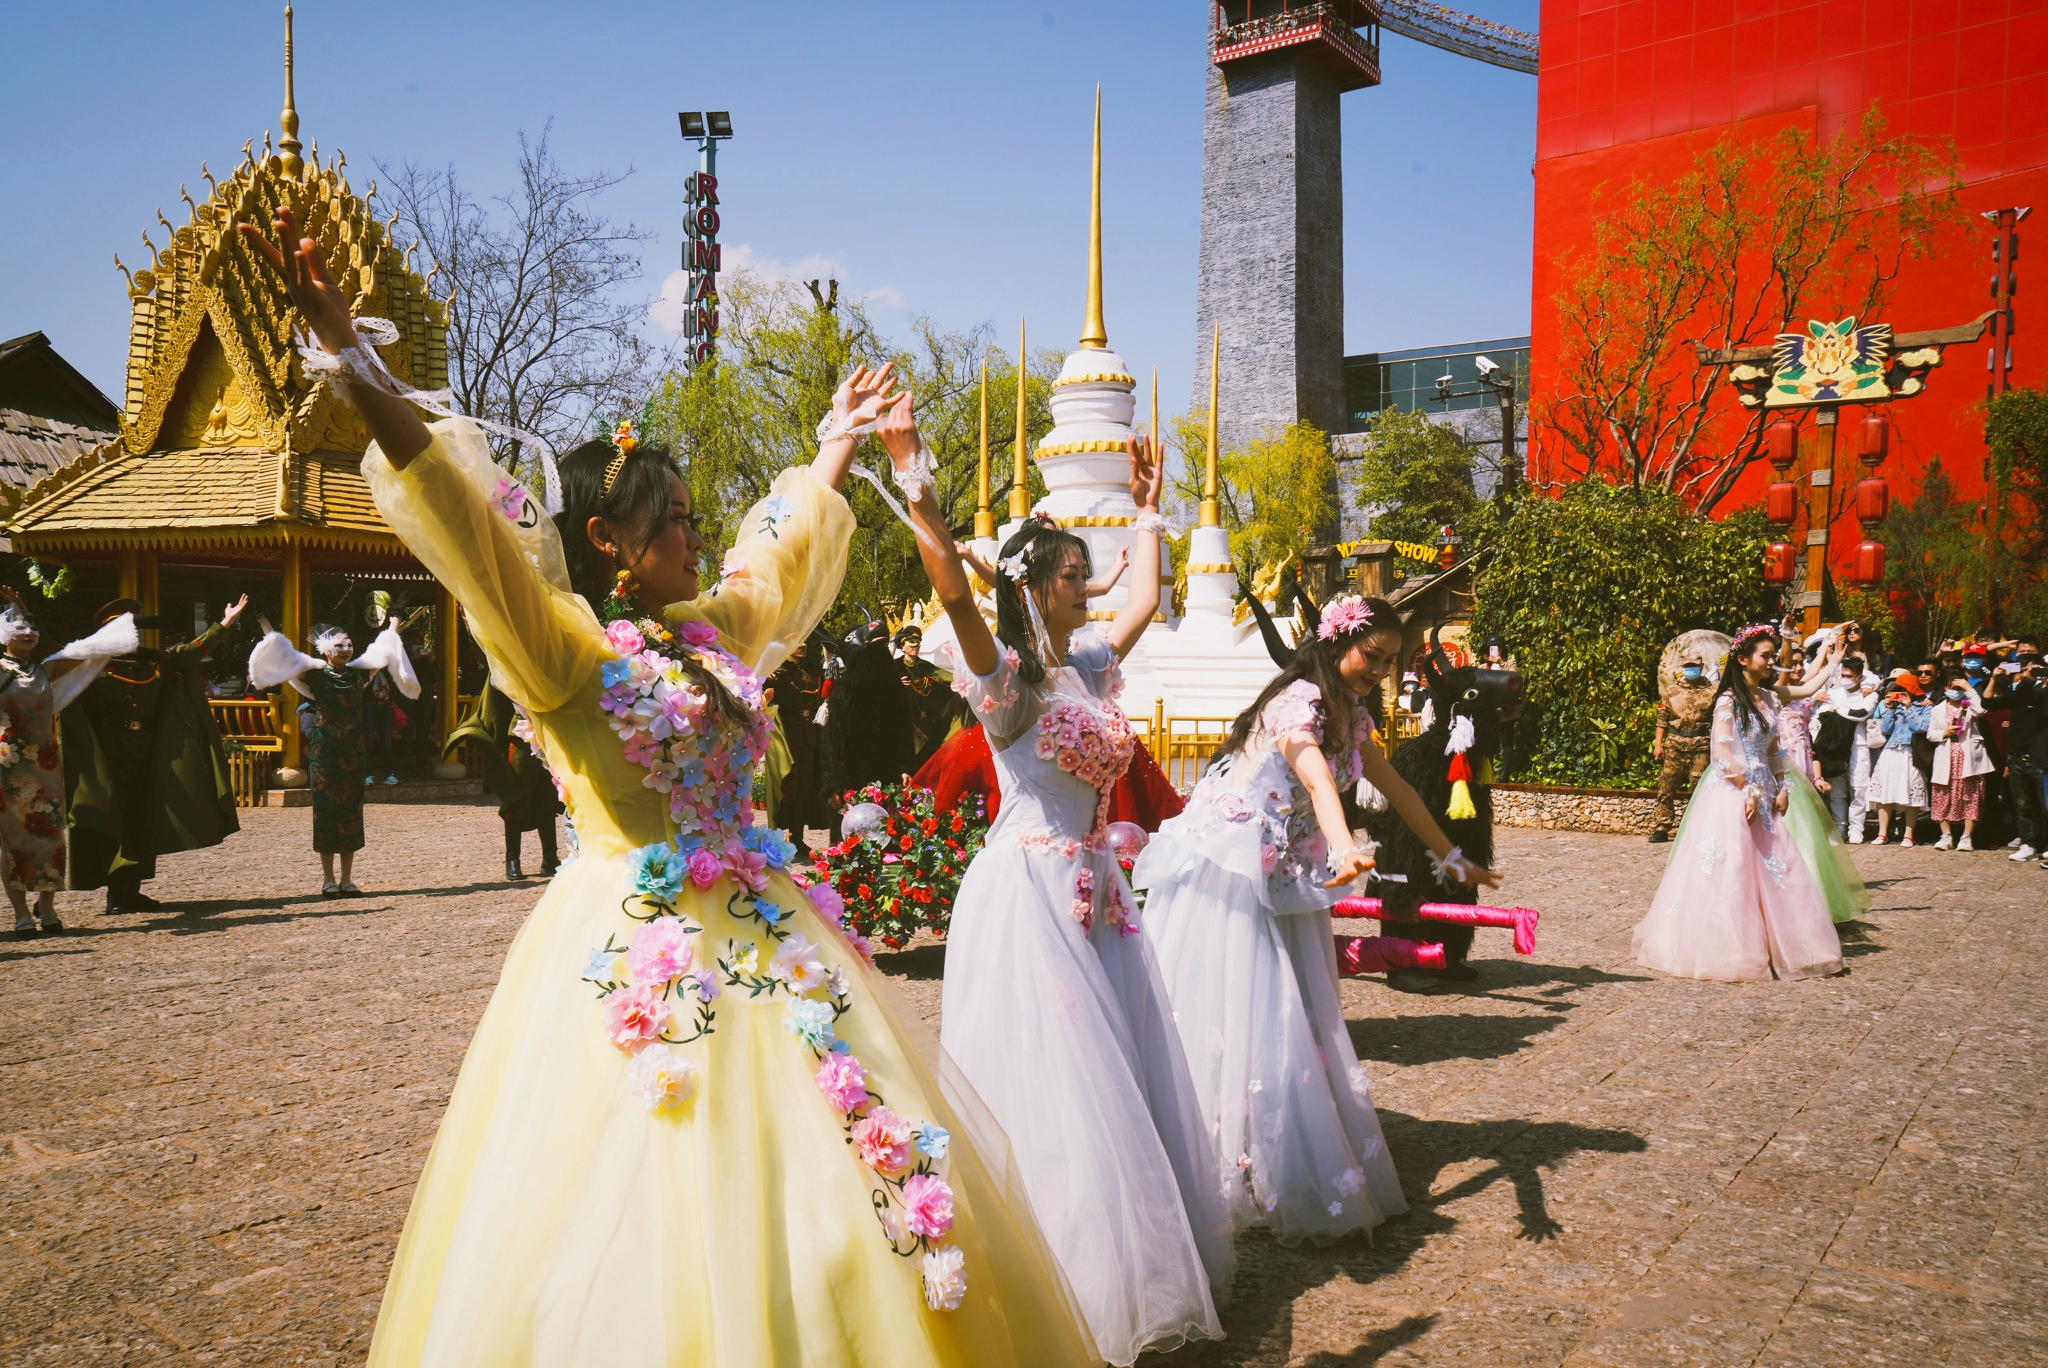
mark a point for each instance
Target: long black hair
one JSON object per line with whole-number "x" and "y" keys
{"x": 637, "y": 505}
{"x": 1317, "y": 660}
{"x": 1735, "y": 680}
{"x": 1045, "y": 545}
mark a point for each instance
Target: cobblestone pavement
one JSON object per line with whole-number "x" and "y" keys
{"x": 211, "y": 1119}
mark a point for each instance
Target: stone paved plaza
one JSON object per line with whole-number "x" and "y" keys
{"x": 211, "y": 1119}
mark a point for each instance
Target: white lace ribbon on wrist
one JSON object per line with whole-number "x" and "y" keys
{"x": 1149, "y": 522}
{"x": 362, "y": 363}
{"x": 918, "y": 476}
{"x": 1454, "y": 864}
{"x": 829, "y": 429}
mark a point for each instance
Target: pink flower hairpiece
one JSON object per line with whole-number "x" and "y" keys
{"x": 1752, "y": 633}
{"x": 1343, "y": 616}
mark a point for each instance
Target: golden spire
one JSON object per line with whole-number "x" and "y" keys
{"x": 1020, "y": 494}
{"x": 1156, "y": 448}
{"x": 288, "y": 121}
{"x": 1093, "y": 333}
{"x": 1212, "y": 510}
{"x": 984, "y": 521}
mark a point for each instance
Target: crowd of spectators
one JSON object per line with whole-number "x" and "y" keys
{"x": 1952, "y": 748}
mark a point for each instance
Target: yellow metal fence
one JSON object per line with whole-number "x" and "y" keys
{"x": 1183, "y": 746}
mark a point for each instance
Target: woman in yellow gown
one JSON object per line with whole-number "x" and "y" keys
{"x": 689, "y": 1130}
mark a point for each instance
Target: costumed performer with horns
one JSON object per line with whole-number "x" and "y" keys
{"x": 613, "y": 1182}
{"x": 32, "y": 694}
{"x": 1238, "y": 892}
{"x": 1053, "y": 1002}
{"x": 1738, "y": 901}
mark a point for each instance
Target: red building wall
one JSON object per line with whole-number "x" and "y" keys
{"x": 1630, "y": 88}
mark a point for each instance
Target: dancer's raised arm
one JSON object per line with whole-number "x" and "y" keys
{"x": 1142, "y": 600}
{"x": 935, "y": 546}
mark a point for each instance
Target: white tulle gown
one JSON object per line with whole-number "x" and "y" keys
{"x": 1055, "y": 1011}
{"x": 1236, "y": 909}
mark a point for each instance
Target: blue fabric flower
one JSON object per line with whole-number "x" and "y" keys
{"x": 768, "y": 911}
{"x": 770, "y": 843}
{"x": 776, "y": 507}
{"x": 810, "y": 1021}
{"x": 598, "y": 965}
{"x": 932, "y": 1140}
{"x": 615, "y": 672}
{"x": 658, "y": 871}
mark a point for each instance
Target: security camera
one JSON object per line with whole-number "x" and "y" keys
{"x": 1486, "y": 365}
{"x": 1443, "y": 384}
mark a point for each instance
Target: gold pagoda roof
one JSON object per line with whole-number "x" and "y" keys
{"x": 222, "y": 427}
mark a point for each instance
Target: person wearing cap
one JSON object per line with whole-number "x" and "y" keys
{"x": 145, "y": 771}
{"x": 1897, "y": 787}
{"x": 32, "y": 695}
{"x": 931, "y": 693}
{"x": 1411, "y": 696}
{"x": 1684, "y": 728}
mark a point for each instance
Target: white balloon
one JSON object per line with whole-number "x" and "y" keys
{"x": 865, "y": 819}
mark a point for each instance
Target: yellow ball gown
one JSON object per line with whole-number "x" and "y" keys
{"x": 741, "y": 1199}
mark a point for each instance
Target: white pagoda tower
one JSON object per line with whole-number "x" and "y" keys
{"x": 1200, "y": 664}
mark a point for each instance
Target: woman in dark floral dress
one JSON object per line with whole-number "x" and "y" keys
{"x": 337, "y": 758}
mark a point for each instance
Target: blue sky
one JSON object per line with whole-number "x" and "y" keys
{"x": 935, "y": 156}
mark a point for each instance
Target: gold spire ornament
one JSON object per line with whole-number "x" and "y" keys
{"x": 984, "y": 520}
{"x": 1093, "y": 332}
{"x": 1020, "y": 494}
{"x": 288, "y": 121}
{"x": 1212, "y": 510}
{"x": 1156, "y": 447}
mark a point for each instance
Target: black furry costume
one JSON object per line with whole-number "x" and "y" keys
{"x": 867, "y": 719}
{"x": 1484, "y": 696}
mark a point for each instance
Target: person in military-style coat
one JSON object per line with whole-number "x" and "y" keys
{"x": 933, "y": 704}
{"x": 145, "y": 773}
{"x": 1685, "y": 716}
{"x": 799, "y": 687}
{"x": 521, "y": 780}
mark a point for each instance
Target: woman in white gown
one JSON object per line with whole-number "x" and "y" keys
{"x": 1238, "y": 903}
{"x": 1054, "y": 1007}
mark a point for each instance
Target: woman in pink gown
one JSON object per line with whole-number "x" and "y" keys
{"x": 1738, "y": 902}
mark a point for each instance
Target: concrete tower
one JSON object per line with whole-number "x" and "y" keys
{"x": 1272, "y": 255}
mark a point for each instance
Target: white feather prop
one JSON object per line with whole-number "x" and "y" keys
{"x": 118, "y": 637}
{"x": 275, "y": 660}
{"x": 387, "y": 653}
{"x": 1462, "y": 736}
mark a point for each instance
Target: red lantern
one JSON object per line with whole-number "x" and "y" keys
{"x": 1875, "y": 440}
{"x": 1781, "y": 502}
{"x": 1783, "y": 437}
{"x": 1778, "y": 562}
{"x": 1869, "y": 572}
{"x": 1873, "y": 501}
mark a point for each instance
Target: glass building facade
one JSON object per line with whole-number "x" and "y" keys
{"x": 1407, "y": 379}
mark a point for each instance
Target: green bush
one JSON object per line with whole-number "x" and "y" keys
{"x": 1586, "y": 589}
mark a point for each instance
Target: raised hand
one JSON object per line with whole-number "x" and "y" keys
{"x": 298, "y": 262}
{"x": 897, "y": 430}
{"x": 863, "y": 395}
{"x": 1147, "y": 473}
{"x": 234, "y": 611}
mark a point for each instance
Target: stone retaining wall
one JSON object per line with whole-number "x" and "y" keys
{"x": 1575, "y": 809}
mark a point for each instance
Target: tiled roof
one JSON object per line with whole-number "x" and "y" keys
{"x": 33, "y": 447}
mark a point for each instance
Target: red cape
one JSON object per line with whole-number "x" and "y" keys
{"x": 964, "y": 765}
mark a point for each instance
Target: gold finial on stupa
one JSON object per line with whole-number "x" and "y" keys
{"x": 1093, "y": 333}
{"x": 288, "y": 121}
{"x": 1212, "y": 509}
{"x": 984, "y": 520}
{"x": 1020, "y": 493}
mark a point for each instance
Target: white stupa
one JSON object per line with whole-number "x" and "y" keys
{"x": 1199, "y": 664}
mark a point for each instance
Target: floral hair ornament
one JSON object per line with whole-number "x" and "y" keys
{"x": 1753, "y": 632}
{"x": 1016, "y": 567}
{"x": 624, "y": 439}
{"x": 1344, "y": 616}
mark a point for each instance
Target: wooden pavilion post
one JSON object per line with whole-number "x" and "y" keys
{"x": 447, "y": 639}
{"x": 294, "y": 627}
{"x": 146, "y": 592}
{"x": 127, "y": 572}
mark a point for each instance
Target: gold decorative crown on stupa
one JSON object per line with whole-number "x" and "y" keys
{"x": 211, "y": 355}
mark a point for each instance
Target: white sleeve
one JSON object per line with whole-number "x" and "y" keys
{"x": 275, "y": 660}
{"x": 116, "y": 638}
{"x": 387, "y": 652}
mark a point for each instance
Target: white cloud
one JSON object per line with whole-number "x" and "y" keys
{"x": 666, "y": 312}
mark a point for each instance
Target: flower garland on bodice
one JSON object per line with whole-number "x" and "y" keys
{"x": 659, "y": 988}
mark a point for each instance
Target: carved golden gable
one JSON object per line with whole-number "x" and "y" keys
{"x": 211, "y": 321}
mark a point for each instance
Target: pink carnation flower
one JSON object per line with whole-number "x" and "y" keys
{"x": 1343, "y": 617}
{"x": 882, "y": 1139}
{"x": 625, "y": 637}
{"x": 699, "y": 634}
{"x": 704, "y": 868}
{"x": 928, "y": 1206}
{"x": 750, "y": 867}
{"x": 660, "y": 952}
{"x": 634, "y": 1017}
{"x": 843, "y": 1081}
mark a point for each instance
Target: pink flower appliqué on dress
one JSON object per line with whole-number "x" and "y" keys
{"x": 634, "y": 1017}
{"x": 882, "y": 1138}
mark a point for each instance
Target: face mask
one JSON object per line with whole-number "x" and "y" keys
{"x": 1691, "y": 673}
{"x": 1956, "y": 695}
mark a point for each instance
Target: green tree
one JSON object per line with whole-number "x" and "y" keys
{"x": 1417, "y": 474}
{"x": 752, "y": 412}
{"x": 1586, "y": 589}
{"x": 1275, "y": 492}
